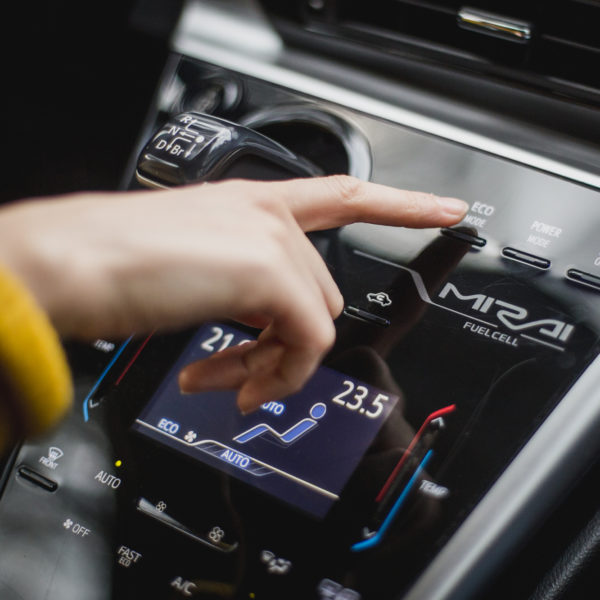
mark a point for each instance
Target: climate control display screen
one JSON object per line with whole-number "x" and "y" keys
{"x": 302, "y": 449}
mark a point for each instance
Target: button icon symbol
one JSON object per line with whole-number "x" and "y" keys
{"x": 381, "y": 298}
{"x": 54, "y": 453}
{"x": 190, "y": 436}
{"x": 331, "y": 590}
{"x": 161, "y": 506}
{"x": 216, "y": 534}
{"x": 68, "y": 524}
{"x": 275, "y": 565}
{"x": 291, "y": 435}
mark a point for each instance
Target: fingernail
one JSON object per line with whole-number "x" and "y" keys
{"x": 250, "y": 398}
{"x": 184, "y": 381}
{"x": 263, "y": 356}
{"x": 246, "y": 405}
{"x": 453, "y": 206}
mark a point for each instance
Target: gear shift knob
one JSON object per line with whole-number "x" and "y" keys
{"x": 193, "y": 147}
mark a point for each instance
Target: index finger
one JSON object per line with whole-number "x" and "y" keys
{"x": 336, "y": 200}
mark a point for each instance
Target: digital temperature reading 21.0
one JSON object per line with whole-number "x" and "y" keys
{"x": 302, "y": 449}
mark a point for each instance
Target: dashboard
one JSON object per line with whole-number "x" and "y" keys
{"x": 458, "y": 406}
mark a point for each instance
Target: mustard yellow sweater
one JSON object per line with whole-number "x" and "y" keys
{"x": 35, "y": 383}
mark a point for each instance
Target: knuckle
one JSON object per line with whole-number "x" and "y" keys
{"x": 324, "y": 336}
{"x": 269, "y": 203}
{"x": 413, "y": 203}
{"x": 261, "y": 262}
{"x": 337, "y": 303}
{"x": 349, "y": 189}
{"x": 293, "y": 382}
{"x": 277, "y": 231}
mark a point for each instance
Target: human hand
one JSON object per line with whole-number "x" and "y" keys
{"x": 106, "y": 265}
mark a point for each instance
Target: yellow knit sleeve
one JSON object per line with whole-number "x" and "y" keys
{"x": 35, "y": 382}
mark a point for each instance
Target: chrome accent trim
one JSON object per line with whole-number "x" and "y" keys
{"x": 149, "y": 183}
{"x": 487, "y": 23}
{"x": 190, "y": 40}
{"x": 535, "y": 476}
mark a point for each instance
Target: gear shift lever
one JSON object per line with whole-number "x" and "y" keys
{"x": 194, "y": 147}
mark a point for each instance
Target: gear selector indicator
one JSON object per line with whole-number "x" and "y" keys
{"x": 193, "y": 147}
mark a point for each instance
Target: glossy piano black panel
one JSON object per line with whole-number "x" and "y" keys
{"x": 472, "y": 345}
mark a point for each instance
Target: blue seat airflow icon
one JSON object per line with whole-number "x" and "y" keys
{"x": 291, "y": 435}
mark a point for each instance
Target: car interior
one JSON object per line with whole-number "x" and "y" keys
{"x": 447, "y": 448}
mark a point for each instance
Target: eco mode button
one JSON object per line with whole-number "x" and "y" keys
{"x": 464, "y": 234}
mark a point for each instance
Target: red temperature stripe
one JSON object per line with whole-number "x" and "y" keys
{"x": 434, "y": 415}
{"x": 133, "y": 358}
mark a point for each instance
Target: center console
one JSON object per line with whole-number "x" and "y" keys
{"x": 458, "y": 404}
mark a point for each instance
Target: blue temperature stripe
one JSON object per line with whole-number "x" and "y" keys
{"x": 113, "y": 360}
{"x": 371, "y": 542}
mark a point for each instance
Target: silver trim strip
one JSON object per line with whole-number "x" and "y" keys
{"x": 191, "y": 39}
{"x": 533, "y": 479}
{"x": 487, "y": 23}
{"x": 150, "y": 183}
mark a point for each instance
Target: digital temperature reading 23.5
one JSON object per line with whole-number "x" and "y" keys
{"x": 301, "y": 449}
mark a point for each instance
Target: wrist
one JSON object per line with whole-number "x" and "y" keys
{"x": 40, "y": 244}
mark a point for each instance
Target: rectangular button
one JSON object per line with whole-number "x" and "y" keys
{"x": 37, "y": 479}
{"x": 363, "y": 315}
{"x": 583, "y": 278}
{"x": 465, "y": 236}
{"x": 524, "y": 257}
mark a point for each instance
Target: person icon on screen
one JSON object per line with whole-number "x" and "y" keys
{"x": 291, "y": 435}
